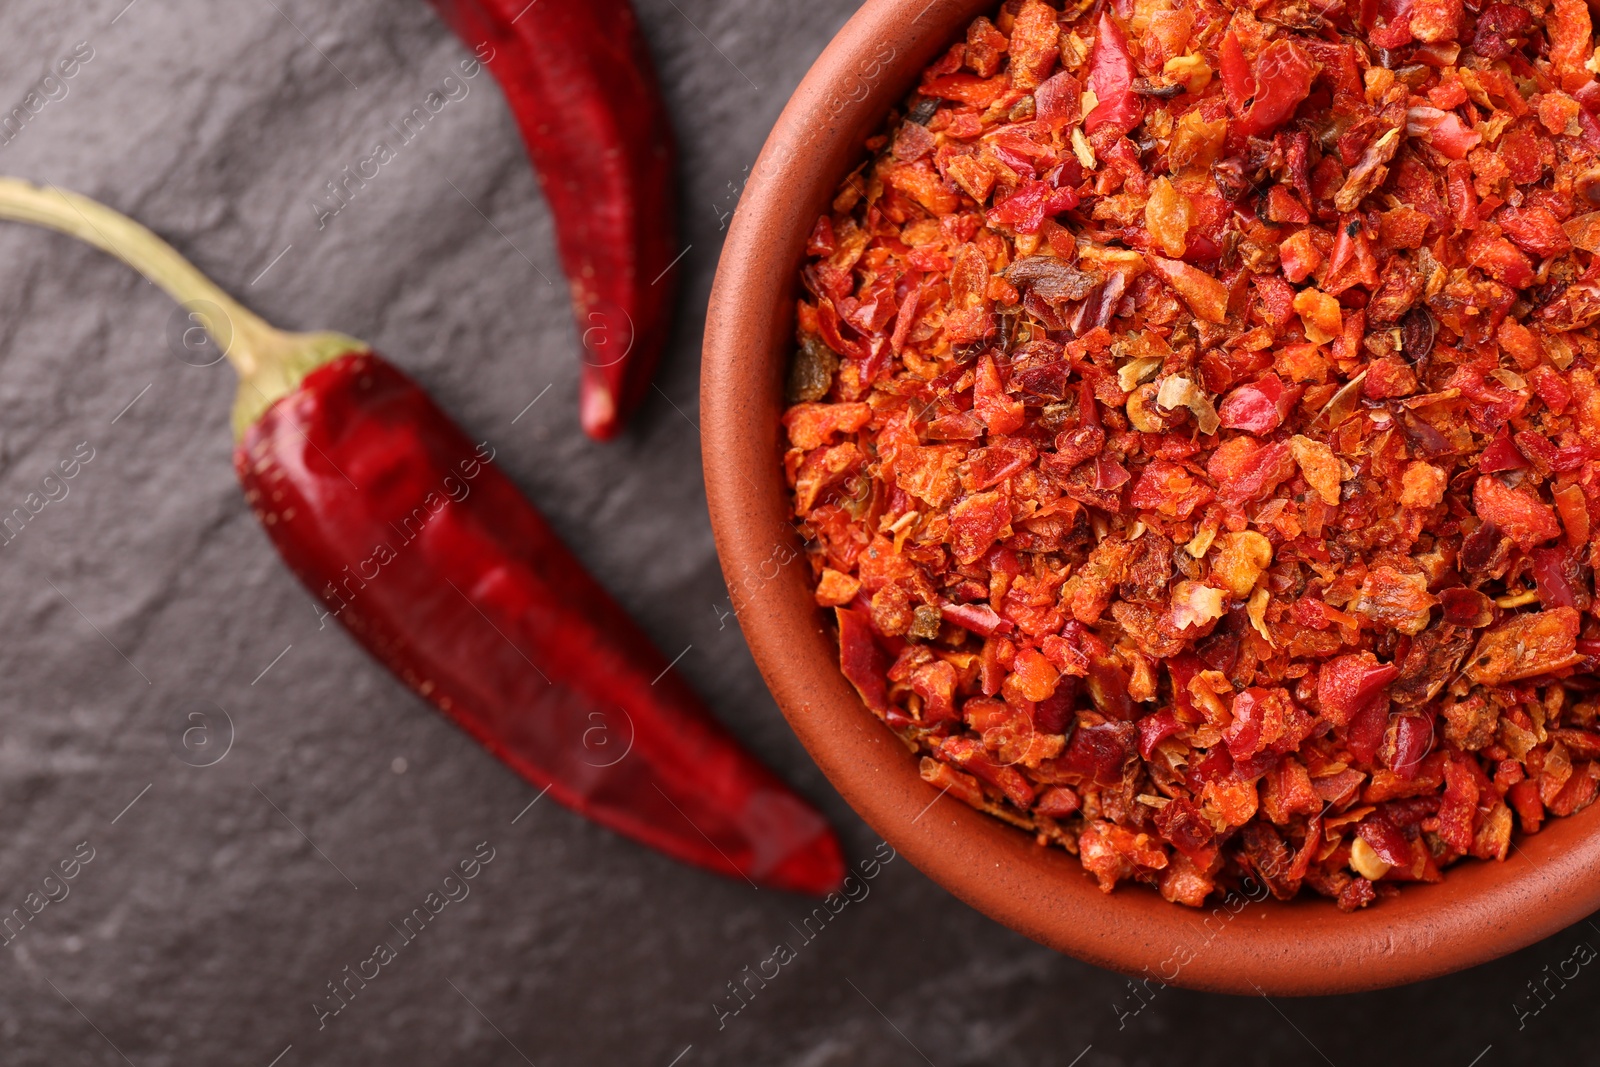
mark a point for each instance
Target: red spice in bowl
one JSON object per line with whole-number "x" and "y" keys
{"x": 1300, "y": 946}
{"x": 1195, "y": 435}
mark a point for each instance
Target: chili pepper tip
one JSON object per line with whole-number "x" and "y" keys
{"x": 816, "y": 868}
{"x": 597, "y": 411}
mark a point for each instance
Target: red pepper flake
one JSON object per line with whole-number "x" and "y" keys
{"x": 1110, "y": 79}
{"x": 1259, "y": 407}
{"x": 1281, "y": 78}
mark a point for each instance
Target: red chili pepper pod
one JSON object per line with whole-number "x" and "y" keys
{"x": 442, "y": 570}
{"x": 579, "y": 81}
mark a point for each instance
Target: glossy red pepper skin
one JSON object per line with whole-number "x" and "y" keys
{"x": 1259, "y": 407}
{"x": 1111, "y": 74}
{"x": 1238, "y": 83}
{"x": 1282, "y": 78}
{"x": 580, "y": 84}
{"x": 440, "y": 567}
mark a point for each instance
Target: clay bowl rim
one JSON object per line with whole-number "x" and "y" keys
{"x": 1481, "y": 911}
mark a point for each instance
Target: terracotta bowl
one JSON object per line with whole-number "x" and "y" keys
{"x": 1482, "y": 910}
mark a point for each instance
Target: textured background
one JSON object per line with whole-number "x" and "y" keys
{"x": 208, "y": 921}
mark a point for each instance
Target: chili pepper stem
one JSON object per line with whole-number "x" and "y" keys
{"x": 270, "y": 362}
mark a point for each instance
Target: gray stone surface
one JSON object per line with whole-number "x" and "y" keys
{"x": 207, "y": 922}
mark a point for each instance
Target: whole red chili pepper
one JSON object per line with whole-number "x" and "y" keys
{"x": 580, "y": 84}
{"x": 435, "y": 562}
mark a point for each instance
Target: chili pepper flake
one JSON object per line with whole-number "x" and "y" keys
{"x": 1195, "y": 431}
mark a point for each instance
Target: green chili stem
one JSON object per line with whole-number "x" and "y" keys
{"x": 270, "y": 362}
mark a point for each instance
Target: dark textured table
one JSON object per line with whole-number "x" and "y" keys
{"x": 258, "y": 802}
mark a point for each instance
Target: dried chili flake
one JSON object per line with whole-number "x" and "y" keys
{"x": 1260, "y": 406}
{"x": 1282, "y": 77}
{"x": 1110, "y": 78}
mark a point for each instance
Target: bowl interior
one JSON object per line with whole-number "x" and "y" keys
{"x": 1241, "y": 945}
